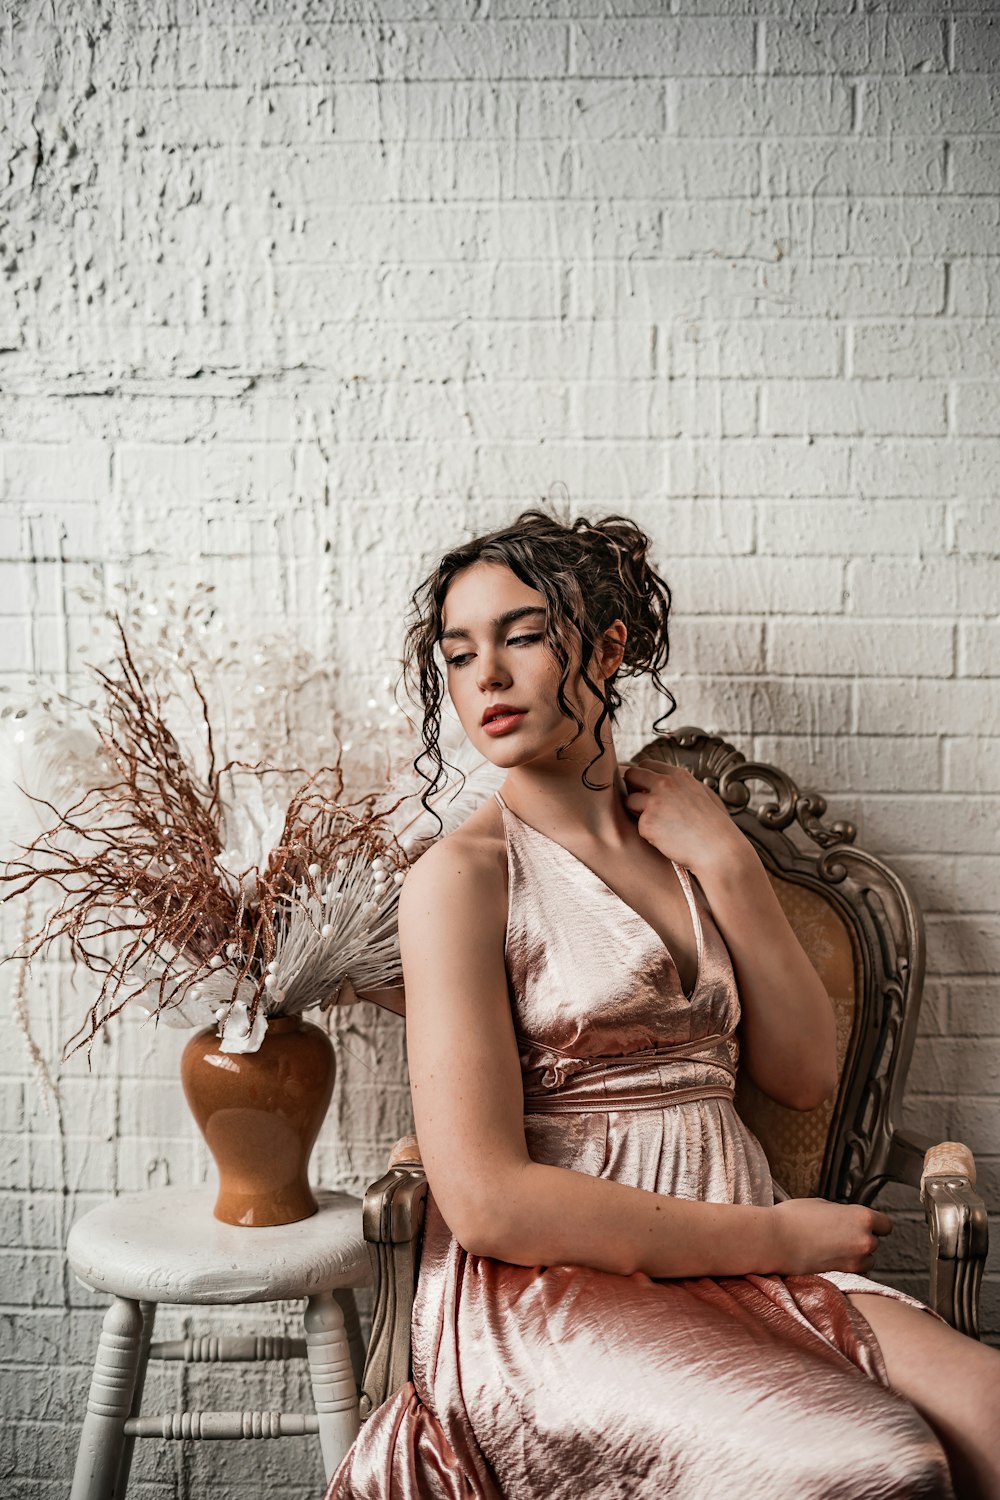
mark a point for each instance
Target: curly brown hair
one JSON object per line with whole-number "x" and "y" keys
{"x": 590, "y": 574}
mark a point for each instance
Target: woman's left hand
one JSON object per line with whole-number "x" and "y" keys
{"x": 678, "y": 815}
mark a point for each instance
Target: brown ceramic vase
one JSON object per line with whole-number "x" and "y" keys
{"x": 260, "y": 1113}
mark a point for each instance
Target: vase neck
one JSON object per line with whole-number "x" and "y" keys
{"x": 284, "y": 1023}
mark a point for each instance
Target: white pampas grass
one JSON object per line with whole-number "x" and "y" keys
{"x": 45, "y": 763}
{"x": 345, "y": 928}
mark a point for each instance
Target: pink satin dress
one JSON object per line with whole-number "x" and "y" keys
{"x": 558, "y": 1382}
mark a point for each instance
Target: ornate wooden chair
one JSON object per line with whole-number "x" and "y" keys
{"x": 859, "y": 924}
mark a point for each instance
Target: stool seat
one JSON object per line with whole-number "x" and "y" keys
{"x": 165, "y": 1245}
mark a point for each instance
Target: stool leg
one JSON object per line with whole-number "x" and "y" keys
{"x": 102, "y": 1440}
{"x": 352, "y": 1323}
{"x": 148, "y": 1310}
{"x": 332, "y": 1376}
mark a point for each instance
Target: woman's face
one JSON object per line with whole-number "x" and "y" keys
{"x": 493, "y": 643}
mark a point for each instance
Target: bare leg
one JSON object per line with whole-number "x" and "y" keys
{"x": 952, "y": 1380}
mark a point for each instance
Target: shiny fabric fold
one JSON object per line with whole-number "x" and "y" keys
{"x": 559, "y": 1382}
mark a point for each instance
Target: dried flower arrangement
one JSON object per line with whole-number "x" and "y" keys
{"x": 229, "y": 893}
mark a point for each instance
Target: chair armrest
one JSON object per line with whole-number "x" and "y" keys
{"x": 959, "y": 1234}
{"x": 944, "y": 1173}
{"x": 393, "y": 1221}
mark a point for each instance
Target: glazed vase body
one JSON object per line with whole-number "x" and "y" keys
{"x": 260, "y": 1113}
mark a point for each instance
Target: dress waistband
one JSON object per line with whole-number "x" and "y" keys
{"x": 703, "y": 1069}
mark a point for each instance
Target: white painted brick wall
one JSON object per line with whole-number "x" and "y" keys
{"x": 290, "y": 300}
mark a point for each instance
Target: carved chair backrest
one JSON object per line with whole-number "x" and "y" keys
{"x": 857, "y": 920}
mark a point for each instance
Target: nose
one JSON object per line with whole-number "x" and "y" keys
{"x": 491, "y": 673}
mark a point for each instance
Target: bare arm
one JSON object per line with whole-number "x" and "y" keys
{"x": 468, "y": 1107}
{"x": 788, "y": 1026}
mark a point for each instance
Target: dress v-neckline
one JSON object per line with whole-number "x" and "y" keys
{"x": 683, "y": 880}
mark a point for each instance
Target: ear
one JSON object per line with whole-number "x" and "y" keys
{"x": 612, "y": 648}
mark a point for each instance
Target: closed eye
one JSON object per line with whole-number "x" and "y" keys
{"x": 462, "y": 657}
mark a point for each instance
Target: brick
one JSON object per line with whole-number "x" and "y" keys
{"x": 929, "y": 105}
{"x": 459, "y": 110}
{"x": 968, "y": 1002}
{"x": 32, "y": 1278}
{"x": 953, "y": 883}
{"x": 759, "y": 466}
{"x": 916, "y": 350}
{"x": 741, "y": 107}
{"x": 906, "y": 824}
{"x": 964, "y": 466}
{"x": 914, "y": 228}
{"x": 221, "y": 115}
{"x": 855, "y": 45}
{"x": 962, "y": 944}
{"x": 921, "y": 587}
{"x": 840, "y": 169}
{"x": 859, "y": 763}
{"x": 973, "y": 289}
{"x": 742, "y": 228}
{"x": 716, "y": 646}
{"x": 977, "y": 408}
{"x": 825, "y": 528}
{"x": 739, "y": 706}
{"x": 665, "y": 47}
{"x": 668, "y": 169}
{"x": 796, "y": 349}
{"x": 956, "y": 707}
{"x": 46, "y": 472}
{"x": 649, "y": 291}
{"x": 946, "y": 1066}
{"x": 979, "y": 650}
{"x": 854, "y": 407}
{"x": 689, "y": 528}
{"x": 977, "y": 44}
{"x": 432, "y": 351}
{"x": 972, "y": 763}
{"x": 500, "y": 50}
{"x": 659, "y": 409}
{"x": 756, "y": 585}
{"x": 757, "y": 7}
{"x": 590, "y": 471}
{"x": 459, "y": 233}
{"x": 849, "y": 648}
{"x": 973, "y": 164}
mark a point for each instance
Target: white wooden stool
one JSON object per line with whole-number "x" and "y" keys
{"x": 166, "y": 1246}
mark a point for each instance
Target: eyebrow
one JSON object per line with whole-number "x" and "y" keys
{"x": 507, "y": 618}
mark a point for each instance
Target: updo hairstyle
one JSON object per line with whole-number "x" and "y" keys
{"x": 590, "y": 574}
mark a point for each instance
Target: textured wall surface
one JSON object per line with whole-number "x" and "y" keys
{"x": 294, "y": 294}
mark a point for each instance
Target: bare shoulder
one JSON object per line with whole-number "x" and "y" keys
{"x": 464, "y": 871}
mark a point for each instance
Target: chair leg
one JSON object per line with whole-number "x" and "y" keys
{"x": 331, "y": 1372}
{"x": 148, "y": 1310}
{"x": 102, "y": 1441}
{"x": 352, "y": 1323}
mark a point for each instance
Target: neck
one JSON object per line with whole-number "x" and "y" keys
{"x": 551, "y": 796}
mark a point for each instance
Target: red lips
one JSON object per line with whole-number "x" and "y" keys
{"x": 500, "y": 710}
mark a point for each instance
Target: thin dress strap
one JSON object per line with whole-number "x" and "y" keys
{"x": 501, "y": 801}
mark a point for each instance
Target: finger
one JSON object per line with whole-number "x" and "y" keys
{"x": 639, "y": 776}
{"x": 881, "y": 1223}
{"x": 658, "y": 767}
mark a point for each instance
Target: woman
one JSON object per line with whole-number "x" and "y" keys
{"x": 610, "y": 1303}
